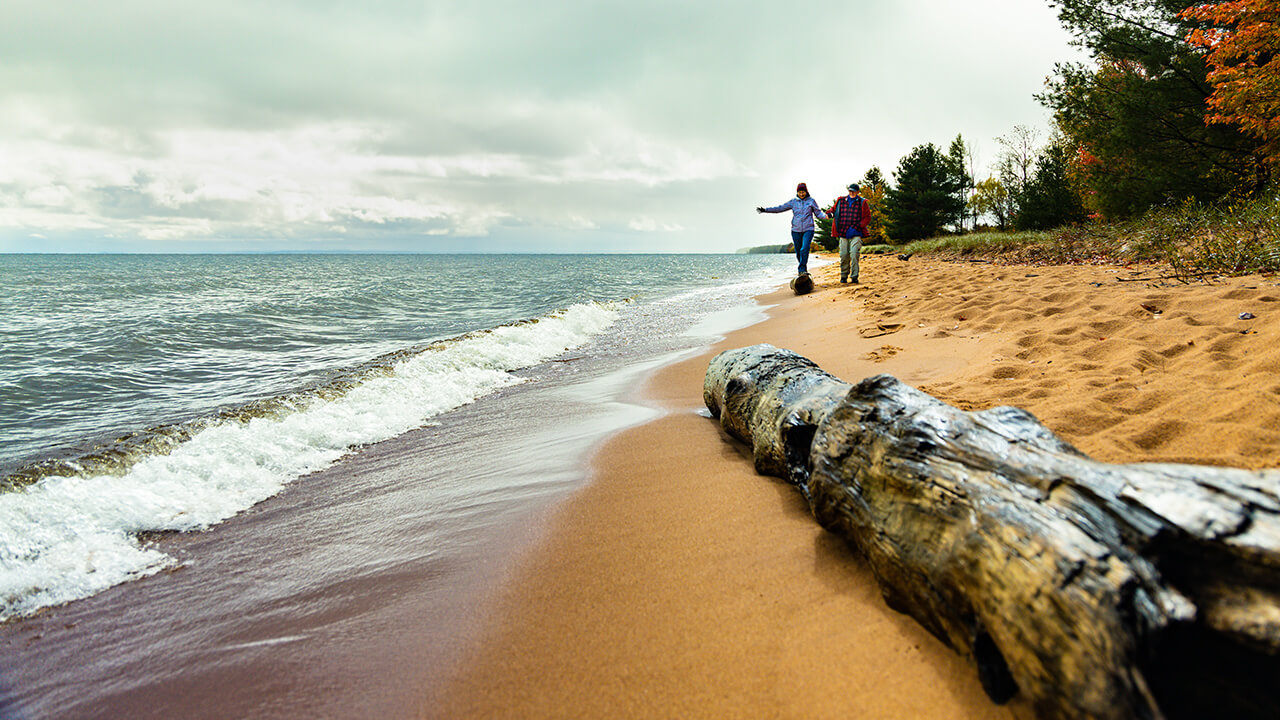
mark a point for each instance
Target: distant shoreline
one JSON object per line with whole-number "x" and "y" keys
{"x": 765, "y": 250}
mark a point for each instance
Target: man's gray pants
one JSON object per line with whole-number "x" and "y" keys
{"x": 849, "y": 249}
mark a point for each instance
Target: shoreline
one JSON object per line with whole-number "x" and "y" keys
{"x": 655, "y": 591}
{"x": 680, "y": 583}
{"x": 340, "y": 594}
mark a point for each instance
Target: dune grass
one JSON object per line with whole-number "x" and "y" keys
{"x": 1191, "y": 239}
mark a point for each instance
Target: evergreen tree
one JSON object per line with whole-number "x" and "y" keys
{"x": 926, "y": 197}
{"x": 874, "y": 179}
{"x": 1138, "y": 114}
{"x": 957, "y": 155}
{"x": 1048, "y": 200}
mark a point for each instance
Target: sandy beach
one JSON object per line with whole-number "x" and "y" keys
{"x": 679, "y": 583}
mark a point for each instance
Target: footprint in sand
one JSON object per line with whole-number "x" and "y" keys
{"x": 884, "y": 352}
{"x": 880, "y": 328}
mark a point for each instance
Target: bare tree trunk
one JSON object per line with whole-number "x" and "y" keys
{"x": 1093, "y": 590}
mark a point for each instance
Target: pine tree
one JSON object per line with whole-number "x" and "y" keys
{"x": 1048, "y": 200}
{"x": 926, "y": 197}
{"x": 1138, "y": 112}
{"x": 957, "y": 155}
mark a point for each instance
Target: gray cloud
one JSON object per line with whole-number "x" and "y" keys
{"x": 649, "y": 125}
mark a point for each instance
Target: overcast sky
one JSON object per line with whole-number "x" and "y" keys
{"x": 489, "y": 125}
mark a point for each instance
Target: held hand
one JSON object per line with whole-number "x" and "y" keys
{"x": 760, "y": 209}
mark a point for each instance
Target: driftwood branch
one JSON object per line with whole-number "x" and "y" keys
{"x": 1091, "y": 590}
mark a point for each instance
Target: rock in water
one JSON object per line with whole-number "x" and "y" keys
{"x": 802, "y": 284}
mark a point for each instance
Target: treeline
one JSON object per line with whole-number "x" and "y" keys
{"x": 1179, "y": 104}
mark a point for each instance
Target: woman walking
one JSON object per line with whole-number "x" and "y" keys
{"x": 803, "y": 209}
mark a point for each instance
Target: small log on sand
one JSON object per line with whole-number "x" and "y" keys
{"x": 1088, "y": 590}
{"x": 802, "y": 284}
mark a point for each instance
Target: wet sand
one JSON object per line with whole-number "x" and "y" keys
{"x": 679, "y": 583}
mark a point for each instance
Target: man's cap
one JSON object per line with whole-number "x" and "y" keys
{"x": 854, "y": 187}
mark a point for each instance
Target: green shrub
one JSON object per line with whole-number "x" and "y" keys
{"x": 876, "y": 249}
{"x": 1193, "y": 239}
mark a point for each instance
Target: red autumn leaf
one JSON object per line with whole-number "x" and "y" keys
{"x": 1242, "y": 40}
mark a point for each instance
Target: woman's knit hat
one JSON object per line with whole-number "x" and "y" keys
{"x": 803, "y": 187}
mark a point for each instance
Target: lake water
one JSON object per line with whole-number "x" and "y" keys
{"x": 252, "y": 470}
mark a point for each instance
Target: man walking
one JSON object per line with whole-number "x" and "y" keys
{"x": 803, "y": 209}
{"x": 852, "y": 214}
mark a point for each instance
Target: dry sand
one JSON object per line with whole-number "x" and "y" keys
{"x": 679, "y": 583}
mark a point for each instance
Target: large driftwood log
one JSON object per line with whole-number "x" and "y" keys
{"x": 1092, "y": 590}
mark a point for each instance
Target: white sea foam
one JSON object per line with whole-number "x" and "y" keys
{"x": 66, "y": 538}
{"x": 762, "y": 280}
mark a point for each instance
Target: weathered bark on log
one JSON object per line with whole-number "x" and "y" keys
{"x": 1093, "y": 590}
{"x": 802, "y": 284}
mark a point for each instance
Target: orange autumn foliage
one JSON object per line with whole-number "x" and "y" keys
{"x": 1243, "y": 44}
